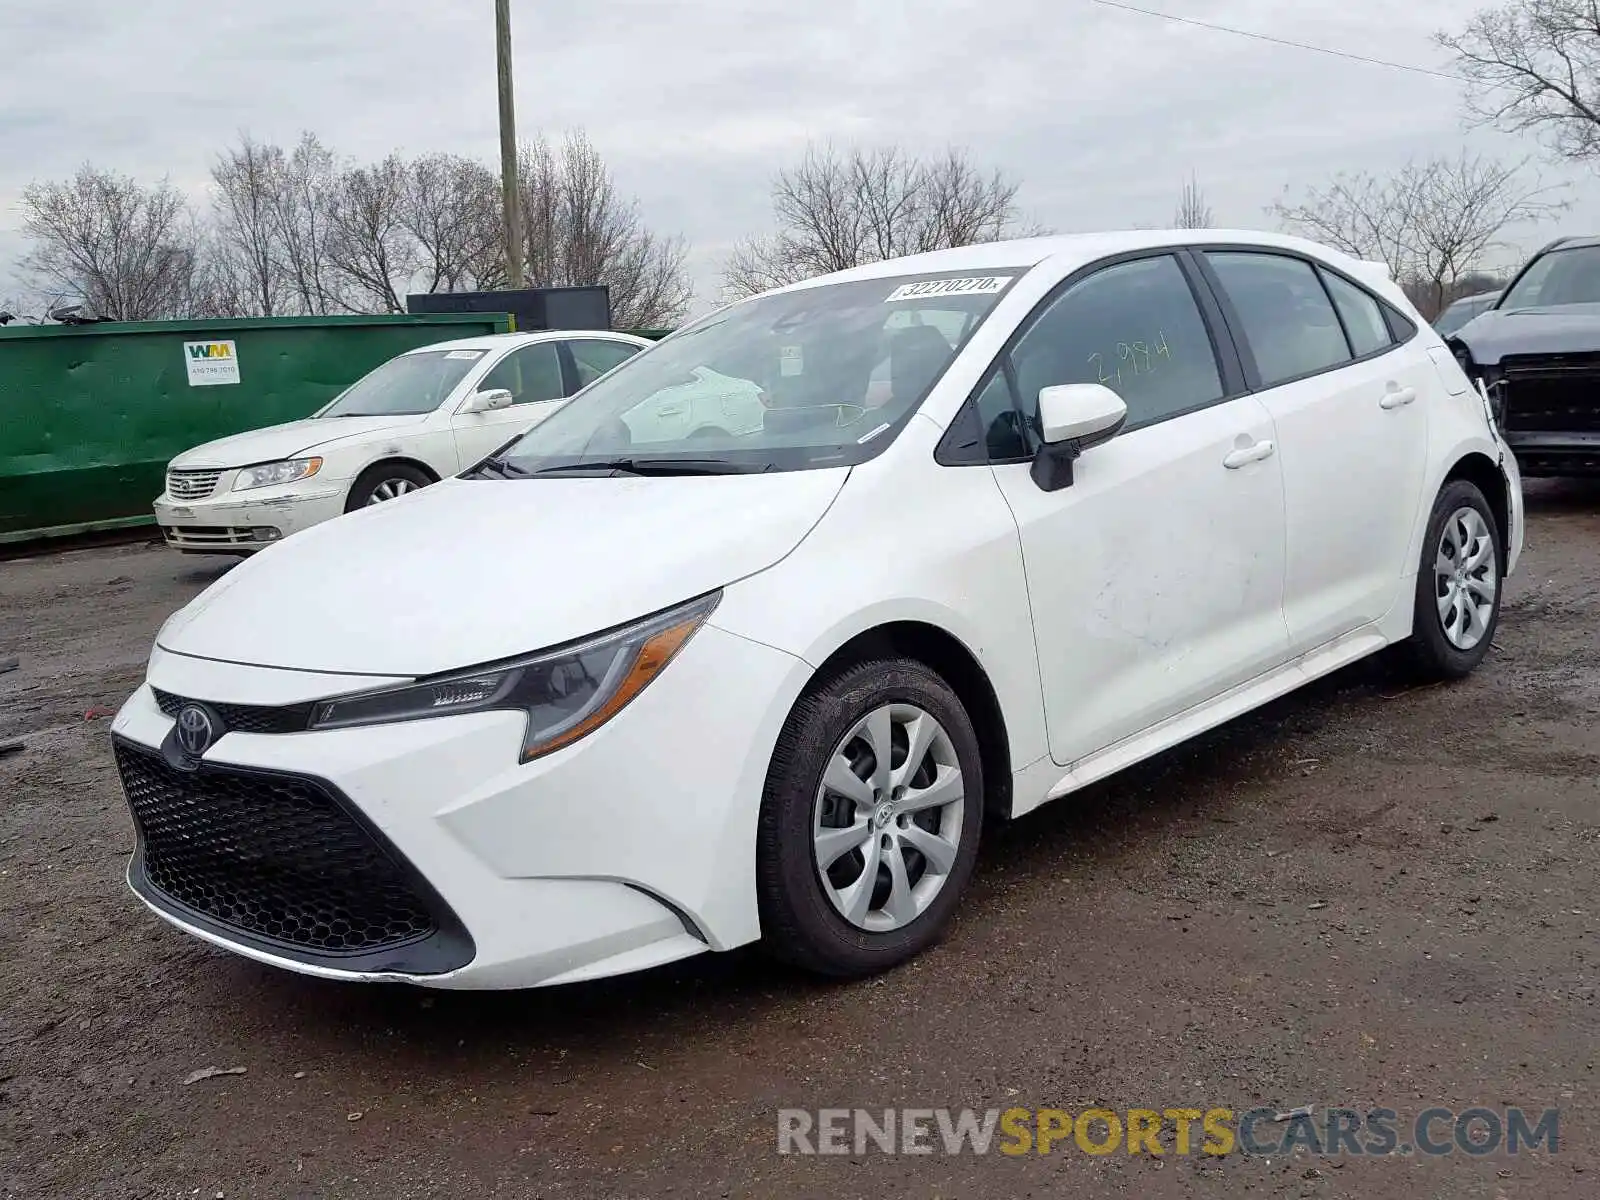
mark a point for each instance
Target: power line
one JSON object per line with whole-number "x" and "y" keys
{"x": 1277, "y": 41}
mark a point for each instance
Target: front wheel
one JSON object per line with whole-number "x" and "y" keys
{"x": 386, "y": 481}
{"x": 1458, "y": 585}
{"x": 870, "y": 819}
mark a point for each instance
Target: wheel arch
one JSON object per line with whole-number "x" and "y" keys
{"x": 1479, "y": 469}
{"x": 403, "y": 460}
{"x": 958, "y": 666}
{"x": 386, "y": 460}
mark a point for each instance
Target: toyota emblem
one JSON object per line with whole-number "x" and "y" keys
{"x": 195, "y": 731}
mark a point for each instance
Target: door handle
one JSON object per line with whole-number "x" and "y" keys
{"x": 1397, "y": 397}
{"x": 672, "y": 410}
{"x": 1248, "y": 455}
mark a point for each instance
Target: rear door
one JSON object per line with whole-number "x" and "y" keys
{"x": 1156, "y": 578}
{"x": 532, "y": 374}
{"x": 586, "y": 359}
{"x": 1350, "y": 408}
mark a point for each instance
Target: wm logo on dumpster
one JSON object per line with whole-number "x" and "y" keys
{"x": 203, "y": 350}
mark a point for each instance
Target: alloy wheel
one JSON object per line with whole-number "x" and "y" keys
{"x": 887, "y": 819}
{"x": 389, "y": 489}
{"x": 1466, "y": 578}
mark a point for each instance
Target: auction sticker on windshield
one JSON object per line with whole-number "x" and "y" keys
{"x": 983, "y": 285}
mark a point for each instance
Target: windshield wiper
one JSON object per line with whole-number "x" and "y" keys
{"x": 491, "y": 468}
{"x": 657, "y": 466}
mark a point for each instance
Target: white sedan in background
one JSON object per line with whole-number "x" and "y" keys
{"x": 1015, "y": 517}
{"x": 418, "y": 418}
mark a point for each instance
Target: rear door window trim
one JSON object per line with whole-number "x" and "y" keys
{"x": 1318, "y": 267}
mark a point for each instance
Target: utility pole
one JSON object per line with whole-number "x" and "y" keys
{"x": 510, "y": 196}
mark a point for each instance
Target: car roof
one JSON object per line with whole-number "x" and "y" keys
{"x": 501, "y": 341}
{"x": 1573, "y": 242}
{"x": 1071, "y": 250}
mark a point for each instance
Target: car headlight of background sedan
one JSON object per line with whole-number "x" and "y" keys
{"x": 567, "y": 693}
{"x": 289, "y": 471}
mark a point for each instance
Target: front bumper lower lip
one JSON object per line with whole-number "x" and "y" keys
{"x": 240, "y": 522}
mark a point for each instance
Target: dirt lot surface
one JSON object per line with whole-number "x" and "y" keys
{"x": 1365, "y": 896}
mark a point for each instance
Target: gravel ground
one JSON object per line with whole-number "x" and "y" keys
{"x": 1364, "y": 896}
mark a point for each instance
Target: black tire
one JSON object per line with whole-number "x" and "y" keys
{"x": 373, "y": 478}
{"x": 799, "y": 923}
{"x": 1429, "y": 654}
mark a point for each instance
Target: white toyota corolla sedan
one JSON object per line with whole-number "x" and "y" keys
{"x": 1014, "y": 517}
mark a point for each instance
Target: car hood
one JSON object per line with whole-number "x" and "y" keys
{"x": 469, "y": 571}
{"x": 284, "y": 441}
{"x": 1500, "y": 333}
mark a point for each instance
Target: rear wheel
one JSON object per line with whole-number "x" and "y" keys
{"x": 870, "y": 819}
{"x": 1458, "y": 585}
{"x": 386, "y": 481}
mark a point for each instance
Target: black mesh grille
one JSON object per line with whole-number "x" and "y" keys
{"x": 1554, "y": 395}
{"x": 245, "y": 718}
{"x": 273, "y": 856}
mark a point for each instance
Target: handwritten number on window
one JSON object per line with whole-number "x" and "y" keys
{"x": 1139, "y": 357}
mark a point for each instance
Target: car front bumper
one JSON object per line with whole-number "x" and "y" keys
{"x": 242, "y": 523}
{"x": 1556, "y": 454}
{"x": 630, "y": 848}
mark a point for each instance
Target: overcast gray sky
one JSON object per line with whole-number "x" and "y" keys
{"x": 1101, "y": 114}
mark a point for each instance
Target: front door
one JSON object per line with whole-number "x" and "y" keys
{"x": 1156, "y": 578}
{"x": 532, "y": 374}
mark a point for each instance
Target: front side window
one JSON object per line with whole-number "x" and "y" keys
{"x": 594, "y": 358}
{"x": 1556, "y": 278}
{"x": 1288, "y": 320}
{"x": 406, "y": 386}
{"x": 1134, "y": 327}
{"x": 1363, "y": 319}
{"x": 820, "y": 376}
{"x": 532, "y": 374}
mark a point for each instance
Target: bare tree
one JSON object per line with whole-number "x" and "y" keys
{"x": 126, "y": 249}
{"x": 1534, "y": 66}
{"x": 580, "y": 232}
{"x": 302, "y": 195}
{"x": 1192, "y": 212}
{"x": 368, "y": 245}
{"x": 303, "y": 231}
{"x": 839, "y": 209}
{"x": 1433, "y": 222}
{"x": 451, "y": 209}
{"x": 248, "y": 247}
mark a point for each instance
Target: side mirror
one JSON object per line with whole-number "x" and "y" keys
{"x": 1073, "y": 417}
{"x": 489, "y": 401}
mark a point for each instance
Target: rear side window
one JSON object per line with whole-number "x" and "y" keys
{"x": 1363, "y": 319}
{"x": 1402, "y": 326}
{"x": 593, "y": 358}
{"x": 1288, "y": 320}
{"x": 1134, "y": 327}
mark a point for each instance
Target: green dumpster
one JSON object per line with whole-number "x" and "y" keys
{"x": 90, "y": 415}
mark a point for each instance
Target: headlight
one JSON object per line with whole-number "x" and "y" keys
{"x": 567, "y": 693}
{"x": 266, "y": 474}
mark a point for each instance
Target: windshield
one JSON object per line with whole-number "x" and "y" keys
{"x": 822, "y": 376}
{"x": 1462, "y": 311}
{"x": 406, "y": 386}
{"x": 1559, "y": 277}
